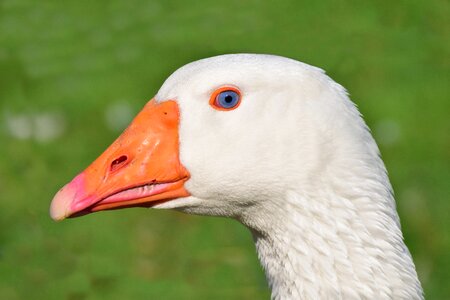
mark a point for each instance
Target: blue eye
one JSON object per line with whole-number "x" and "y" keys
{"x": 227, "y": 99}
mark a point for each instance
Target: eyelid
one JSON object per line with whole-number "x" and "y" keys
{"x": 212, "y": 99}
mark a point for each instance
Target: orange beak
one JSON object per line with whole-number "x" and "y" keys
{"x": 141, "y": 168}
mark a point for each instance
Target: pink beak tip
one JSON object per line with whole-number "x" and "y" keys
{"x": 60, "y": 207}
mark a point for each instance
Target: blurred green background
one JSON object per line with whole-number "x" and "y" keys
{"x": 73, "y": 74}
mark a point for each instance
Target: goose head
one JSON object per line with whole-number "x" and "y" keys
{"x": 275, "y": 144}
{"x": 278, "y": 136}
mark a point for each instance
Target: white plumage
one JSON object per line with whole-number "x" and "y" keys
{"x": 297, "y": 165}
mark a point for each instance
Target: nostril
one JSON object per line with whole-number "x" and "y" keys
{"x": 118, "y": 163}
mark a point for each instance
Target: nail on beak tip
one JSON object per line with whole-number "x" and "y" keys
{"x": 61, "y": 205}
{"x": 59, "y": 209}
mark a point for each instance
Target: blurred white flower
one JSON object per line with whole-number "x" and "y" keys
{"x": 43, "y": 127}
{"x": 48, "y": 126}
{"x": 18, "y": 126}
{"x": 387, "y": 132}
{"x": 118, "y": 115}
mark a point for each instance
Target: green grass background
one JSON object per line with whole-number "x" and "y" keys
{"x": 77, "y": 59}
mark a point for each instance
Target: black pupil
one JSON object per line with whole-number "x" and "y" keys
{"x": 228, "y": 99}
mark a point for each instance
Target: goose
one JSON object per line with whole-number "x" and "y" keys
{"x": 277, "y": 145}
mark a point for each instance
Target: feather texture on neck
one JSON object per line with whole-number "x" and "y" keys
{"x": 336, "y": 243}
